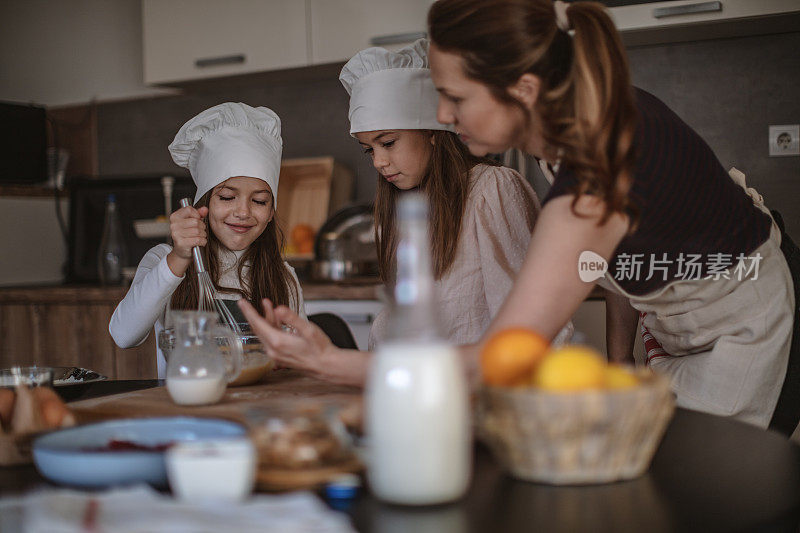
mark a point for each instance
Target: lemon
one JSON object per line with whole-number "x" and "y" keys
{"x": 571, "y": 368}
{"x": 618, "y": 377}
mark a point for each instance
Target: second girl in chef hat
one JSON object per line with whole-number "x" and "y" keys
{"x": 481, "y": 214}
{"x": 233, "y": 152}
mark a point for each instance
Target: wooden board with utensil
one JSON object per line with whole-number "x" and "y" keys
{"x": 278, "y": 388}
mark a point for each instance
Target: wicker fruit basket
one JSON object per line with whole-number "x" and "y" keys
{"x": 593, "y": 436}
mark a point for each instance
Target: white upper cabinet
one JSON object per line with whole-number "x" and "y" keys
{"x": 681, "y": 20}
{"x": 195, "y": 39}
{"x": 340, "y": 28}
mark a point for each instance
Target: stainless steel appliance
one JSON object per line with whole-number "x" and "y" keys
{"x": 345, "y": 246}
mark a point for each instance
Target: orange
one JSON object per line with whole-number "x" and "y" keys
{"x": 511, "y": 355}
{"x": 302, "y": 237}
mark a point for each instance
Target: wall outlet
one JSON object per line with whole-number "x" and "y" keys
{"x": 784, "y": 140}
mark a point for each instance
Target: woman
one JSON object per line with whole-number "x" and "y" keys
{"x": 233, "y": 152}
{"x": 481, "y": 214}
{"x": 634, "y": 185}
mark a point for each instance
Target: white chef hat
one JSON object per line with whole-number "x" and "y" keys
{"x": 228, "y": 140}
{"x": 391, "y": 90}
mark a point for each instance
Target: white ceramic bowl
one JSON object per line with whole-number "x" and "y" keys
{"x": 219, "y": 469}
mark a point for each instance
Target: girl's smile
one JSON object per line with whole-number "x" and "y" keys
{"x": 239, "y": 210}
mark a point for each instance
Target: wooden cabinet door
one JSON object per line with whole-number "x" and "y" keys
{"x": 195, "y": 39}
{"x": 70, "y": 334}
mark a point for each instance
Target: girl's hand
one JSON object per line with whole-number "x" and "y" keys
{"x": 308, "y": 348}
{"x": 188, "y": 230}
{"x": 302, "y": 350}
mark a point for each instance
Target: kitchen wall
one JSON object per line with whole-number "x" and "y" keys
{"x": 729, "y": 90}
{"x": 58, "y": 53}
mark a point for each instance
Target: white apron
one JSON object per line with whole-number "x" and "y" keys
{"x": 725, "y": 341}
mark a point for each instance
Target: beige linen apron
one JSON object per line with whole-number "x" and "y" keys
{"x": 726, "y": 341}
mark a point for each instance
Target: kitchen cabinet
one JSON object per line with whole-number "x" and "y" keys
{"x": 340, "y": 28}
{"x": 195, "y": 39}
{"x": 686, "y": 20}
{"x": 68, "y": 326}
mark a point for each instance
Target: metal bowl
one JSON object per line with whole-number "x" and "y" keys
{"x": 71, "y": 382}
{"x": 339, "y": 270}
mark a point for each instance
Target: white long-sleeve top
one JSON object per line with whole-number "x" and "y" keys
{"x": 144, "y": 306}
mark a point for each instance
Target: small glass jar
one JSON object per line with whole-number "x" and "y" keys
{"x": 32, "y": 376}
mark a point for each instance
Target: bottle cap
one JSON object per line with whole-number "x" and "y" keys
{"x": 112, "y": 197}
{"x": 343, "y": 487}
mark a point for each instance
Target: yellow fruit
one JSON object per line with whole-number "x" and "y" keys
{"x": 618, "y": 377}
{"x": 511, "y": 355}
{"x": 571, "y": 368}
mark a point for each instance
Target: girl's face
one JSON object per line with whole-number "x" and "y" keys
{"x": 484, "y": 124}
{"x": 400, "y": 156}
{"x": 238, "y": 211}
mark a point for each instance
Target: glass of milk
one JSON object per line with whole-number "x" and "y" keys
{"x": 206, "y": 357}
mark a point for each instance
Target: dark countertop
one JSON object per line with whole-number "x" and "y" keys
{"x": 708, "y": 474}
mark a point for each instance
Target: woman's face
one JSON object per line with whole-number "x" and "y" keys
{"x": 484, "y": 124}
{"x": 238, "y": 211}
{"x": 400, "y": 156}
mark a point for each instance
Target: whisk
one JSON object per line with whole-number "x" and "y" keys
{"x": 207, "y": 297}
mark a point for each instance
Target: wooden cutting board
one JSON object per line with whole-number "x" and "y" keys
{"x": 280, "y": 387}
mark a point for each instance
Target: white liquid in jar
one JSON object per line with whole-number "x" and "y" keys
{"x": 418, "y": 424}
{"x": 196, "y": 391}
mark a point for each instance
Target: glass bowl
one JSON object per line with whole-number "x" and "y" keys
{"x": 255, "y": 361}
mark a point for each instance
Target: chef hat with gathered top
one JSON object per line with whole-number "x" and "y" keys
{"x": 228, "y": 140}
{"x": 391, "y": 90}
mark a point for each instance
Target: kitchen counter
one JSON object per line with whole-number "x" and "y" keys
{"x": 365, "y": 289}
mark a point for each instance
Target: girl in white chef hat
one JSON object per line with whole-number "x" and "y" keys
{"x": 481, "y": 214}
{"x": 233, "y": 152}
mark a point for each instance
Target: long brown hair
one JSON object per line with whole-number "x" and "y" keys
{"x": 585, "y": 102}
{"x": 446, "y": 183}
{"x": 268, "y": 276}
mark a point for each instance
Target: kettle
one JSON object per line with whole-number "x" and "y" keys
{"x": 345, "y": 247}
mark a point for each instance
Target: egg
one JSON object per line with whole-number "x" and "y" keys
{"x": 52, "y": 409}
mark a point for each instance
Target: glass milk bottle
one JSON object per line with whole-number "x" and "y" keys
{"x": 417, "y": 411}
